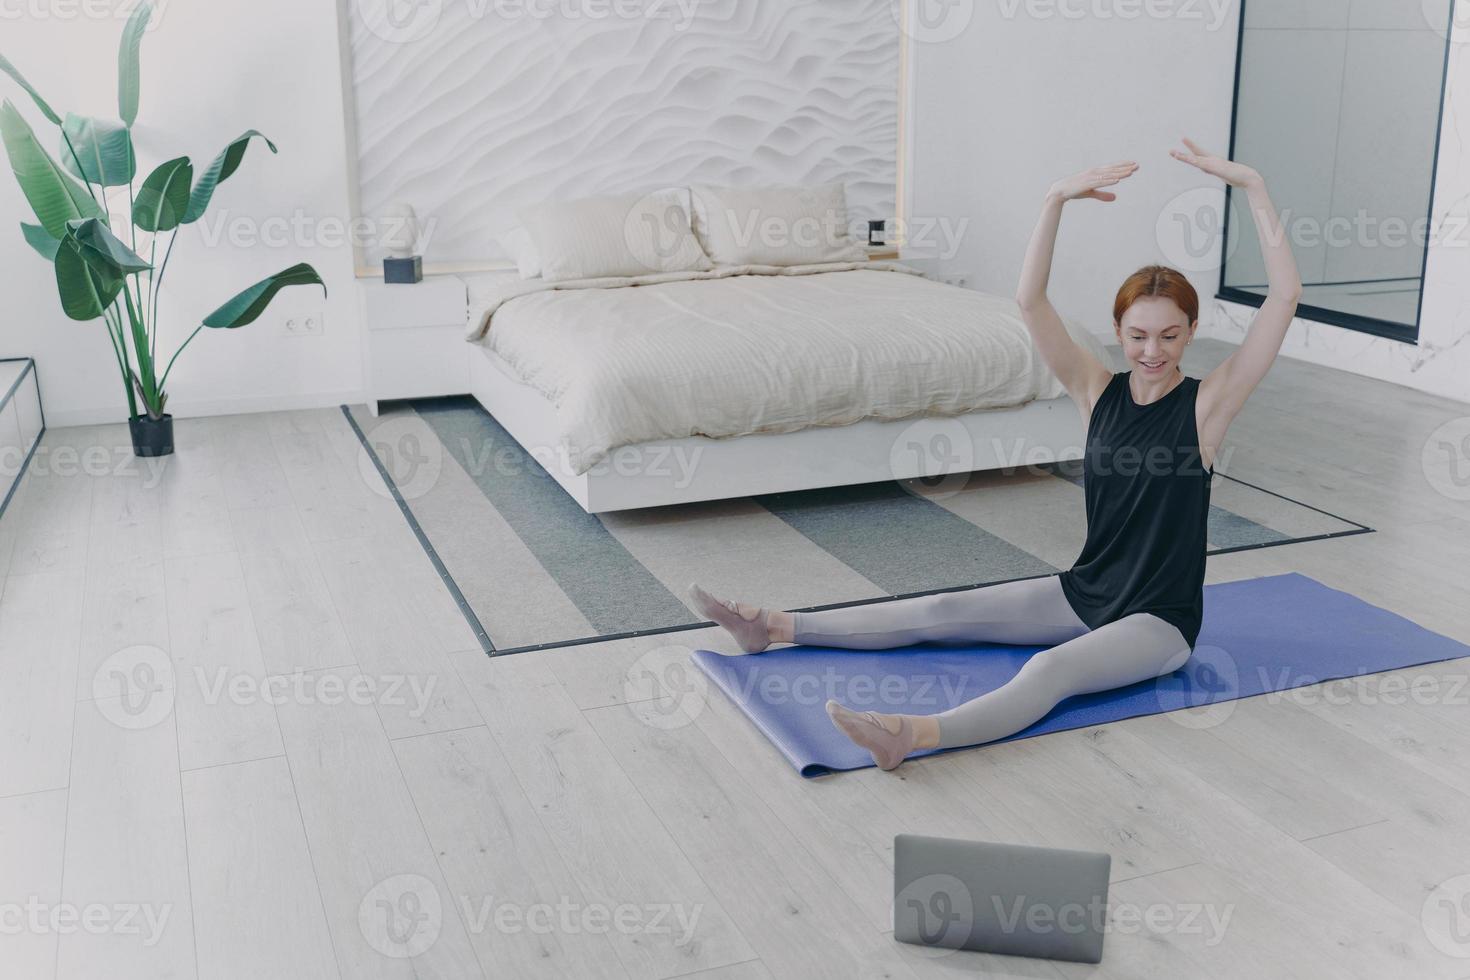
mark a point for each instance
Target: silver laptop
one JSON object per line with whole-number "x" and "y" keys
{"x": 1000, "y": 898}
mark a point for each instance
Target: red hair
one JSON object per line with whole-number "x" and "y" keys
{"x": 1157, "y": 280}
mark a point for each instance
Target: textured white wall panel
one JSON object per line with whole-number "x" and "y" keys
{"x": 468, "y": 109}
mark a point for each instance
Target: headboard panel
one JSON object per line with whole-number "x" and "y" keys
{"x": 468, "y": 109}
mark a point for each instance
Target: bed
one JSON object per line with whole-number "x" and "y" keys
{"x": 702, "y": 385}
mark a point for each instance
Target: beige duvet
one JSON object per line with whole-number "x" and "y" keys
{"x": 752, "y": 349}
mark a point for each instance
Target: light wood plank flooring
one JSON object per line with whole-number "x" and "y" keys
{"x": 244, "y": 732}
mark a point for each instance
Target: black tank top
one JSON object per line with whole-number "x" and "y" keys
{"x": 1148, "y": 503}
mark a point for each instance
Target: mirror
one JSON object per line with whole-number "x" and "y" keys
{"x": 1338, "y": 104}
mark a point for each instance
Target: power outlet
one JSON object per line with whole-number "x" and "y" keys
{"x": 304, "y": 325}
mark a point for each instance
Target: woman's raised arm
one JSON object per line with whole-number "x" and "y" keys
{"x": 1224, "y": 390}
{"x": 1083, "y": 375}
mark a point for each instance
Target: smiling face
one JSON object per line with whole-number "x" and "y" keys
{"x": 1153, "y": 333}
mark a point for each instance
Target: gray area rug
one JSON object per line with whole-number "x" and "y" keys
{"x": 532, "y": 570}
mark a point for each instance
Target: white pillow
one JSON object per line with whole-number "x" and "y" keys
{"x": 774, "y": 225}
{"x": 623, "y": 235}
{"x": 517, "y": 242}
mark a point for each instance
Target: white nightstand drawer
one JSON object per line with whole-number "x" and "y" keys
{"x": 418, "y": 362}
{"x": 393, "y": 306}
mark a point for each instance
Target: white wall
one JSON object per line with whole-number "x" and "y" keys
{"x": 211, "y": 70}
{"x": 1028, "y": 92}
{"x": 1016, "y": 101}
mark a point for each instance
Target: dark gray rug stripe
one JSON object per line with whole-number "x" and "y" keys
{"x": 900, "y": 542}
{"x": 606, "y": 583}
{"x": 1227, "y": 529}
{"x": 1230, "y": 530}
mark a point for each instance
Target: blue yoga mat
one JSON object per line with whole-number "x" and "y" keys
{"x": 1259, "y": 635}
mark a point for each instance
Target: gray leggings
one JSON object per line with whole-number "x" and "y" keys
{"x": 1030, "y": 612}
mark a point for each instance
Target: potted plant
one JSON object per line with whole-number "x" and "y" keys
{"x": 99, "y": 276}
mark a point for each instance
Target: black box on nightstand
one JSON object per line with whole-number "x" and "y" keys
{"x": 409, "y": 270}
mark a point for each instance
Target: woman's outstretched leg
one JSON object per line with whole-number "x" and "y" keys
{"x": 1135, "y": 648}
{"x": 1028, "y": 611}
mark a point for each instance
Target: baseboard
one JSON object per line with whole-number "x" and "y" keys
{"x": 59, "y": 417}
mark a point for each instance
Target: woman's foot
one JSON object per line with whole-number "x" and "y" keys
{"x": 890, "y": 738}
{"x": 748, "y": 624}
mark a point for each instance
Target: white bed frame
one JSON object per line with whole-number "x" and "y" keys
{"x": 679, "y": 471}
{"x": 414, "y": 347}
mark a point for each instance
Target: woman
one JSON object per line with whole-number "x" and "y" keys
{"x": 1129, "y": 609}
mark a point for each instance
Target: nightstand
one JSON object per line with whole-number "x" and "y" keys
{"x": 413, "y": 339}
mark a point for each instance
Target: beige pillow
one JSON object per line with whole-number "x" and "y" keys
{"x": 623, "y": 235}
{"x": 774, "y": 225}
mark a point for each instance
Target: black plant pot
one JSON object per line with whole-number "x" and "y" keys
{"x": 152, "y": 437}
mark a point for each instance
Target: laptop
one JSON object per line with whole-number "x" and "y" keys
{"x": 1000, "y": 898}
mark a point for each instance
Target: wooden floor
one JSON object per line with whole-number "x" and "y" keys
{"x": 244, "y": 732}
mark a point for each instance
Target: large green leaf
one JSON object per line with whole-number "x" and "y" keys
{"x": 250, "y": 304}
{"x": 164, "y": 197}
{"x": 11, "y": 70}
{"x": 53, "y": 196}
{"x": 86, "y": 291}
{"x": 101, "y": 248}
{"x": 91, "y": 267}
{"x": 219, "y": 169}
{"x": 104, "y": 148}
{"x": 127, "y": 64}
{"x": 40, "y": 239}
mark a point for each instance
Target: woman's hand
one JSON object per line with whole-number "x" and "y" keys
{"x": 1089, "y": 182}
{"x": 1234, "y": 174}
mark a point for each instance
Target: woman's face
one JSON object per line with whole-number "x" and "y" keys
{"x": 1153, "y": 333}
